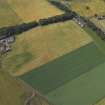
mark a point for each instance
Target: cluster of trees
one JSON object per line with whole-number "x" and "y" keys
{"x": 13, "y": 30}
{"x": 25, "y": 27}
{"x": 57, "y": 18}
{"x": 5, "y": 32}
{"x": 60, "y": 5}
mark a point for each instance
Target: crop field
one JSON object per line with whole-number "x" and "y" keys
{"x": 70, "y": 66}
{"x": 88, "y": 8}
{"x": 36, "y": 9}
{"x": 84, "y": 90}
{"x": 7, "y": 15}
{"x": 34, "y": 48}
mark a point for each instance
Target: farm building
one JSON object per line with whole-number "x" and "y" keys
{"x": 5, "y": 44}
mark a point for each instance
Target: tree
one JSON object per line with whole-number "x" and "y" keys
{"x": 87, "y": 7}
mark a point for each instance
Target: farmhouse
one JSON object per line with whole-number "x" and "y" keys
{"x": 79, "y": 21}
{"x": 5, "y": 44}
{"x": 100, "y": 17}
{"x": 10, "y": 39}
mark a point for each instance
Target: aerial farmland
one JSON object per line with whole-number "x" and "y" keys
{"x": 52, "y": 52}
{"x": 31, "y": 54}
{"x": 54, "y": 42}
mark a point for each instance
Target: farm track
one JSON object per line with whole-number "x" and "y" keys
{"x": 34, "y": 93}
{"x": 28, "y": 101}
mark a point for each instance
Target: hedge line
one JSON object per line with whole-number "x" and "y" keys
{"x": 13, "y": 30}
{"x": 94, "y": 28}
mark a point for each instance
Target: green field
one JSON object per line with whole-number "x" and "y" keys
{"x": 84, "y": 90}
{"x": 65, "y": 68}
